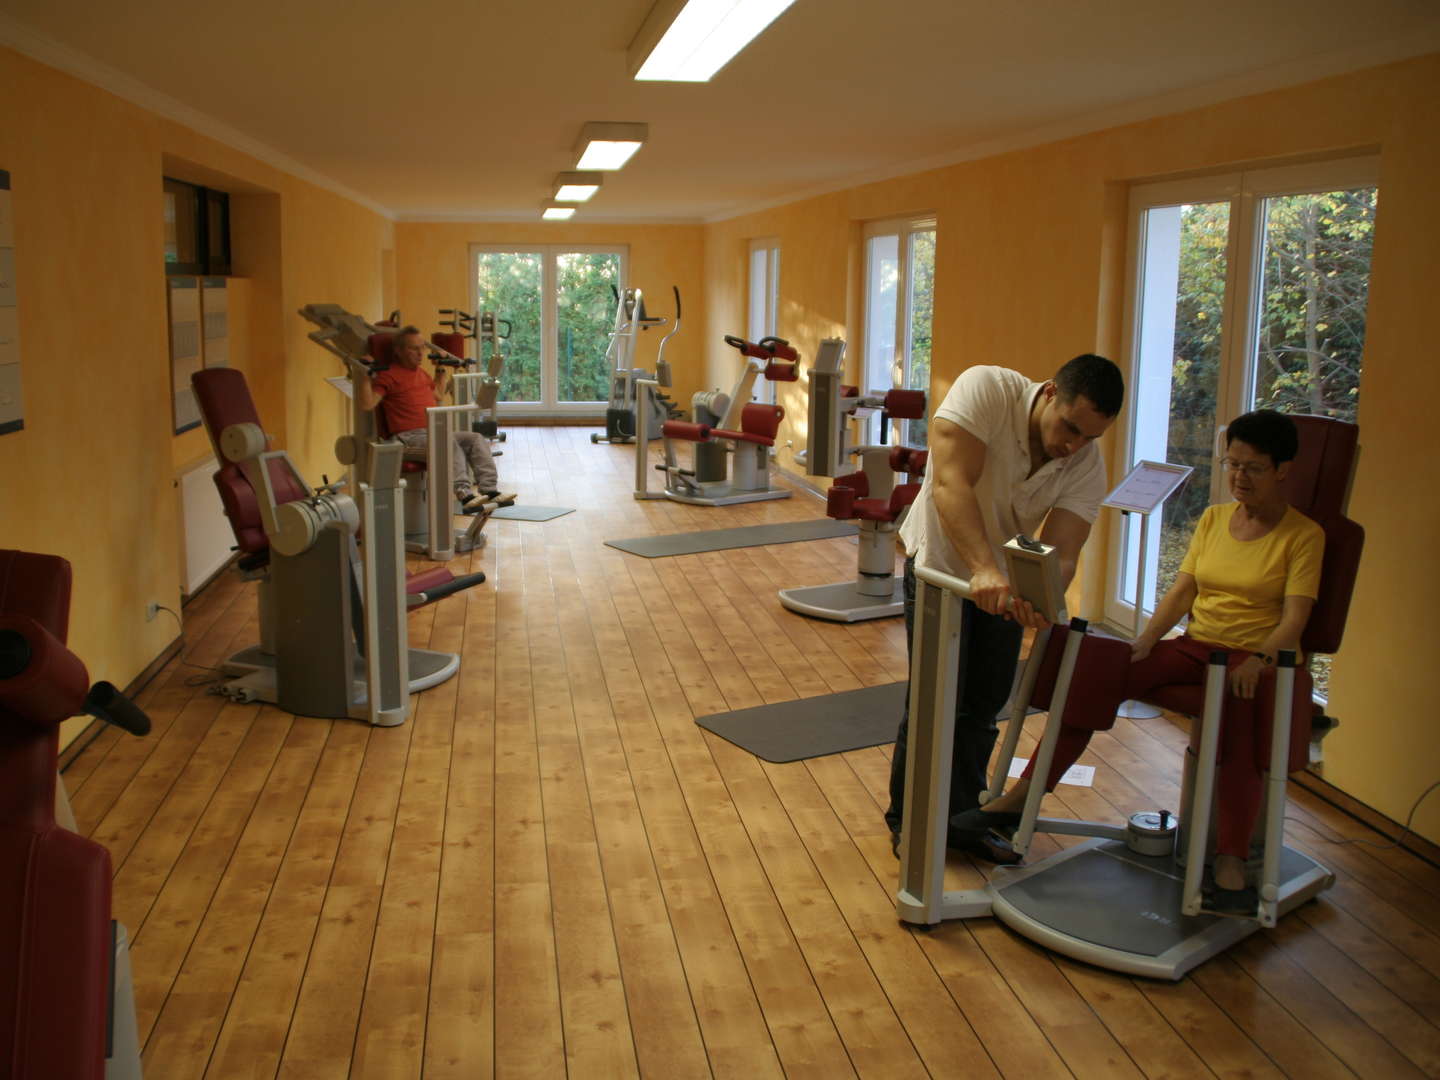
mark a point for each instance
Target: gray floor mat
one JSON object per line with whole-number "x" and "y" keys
{"x": 785, "y": 532}
{"x": 532, "y": 513}
{"x": 815, "y": 726}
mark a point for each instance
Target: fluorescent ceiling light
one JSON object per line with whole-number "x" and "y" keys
{"x": 604, "y": 145}
{"x": 690, "y": 40}
{"x": 576, "y": 186}
{"x": 557, "y": 213}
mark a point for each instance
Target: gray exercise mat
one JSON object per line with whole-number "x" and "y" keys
{"x": 786, "y": 532}
{"x": 815, "y": 726}
{"x": 532, "y": 513}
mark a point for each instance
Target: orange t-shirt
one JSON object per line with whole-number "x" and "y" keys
{"x": 407, "y": 395}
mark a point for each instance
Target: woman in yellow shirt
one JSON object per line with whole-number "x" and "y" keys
{"x": 1248, "y": 582}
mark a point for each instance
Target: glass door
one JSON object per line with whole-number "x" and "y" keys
{"x": 899, "y": 291}
{"x": 560, "y": 303}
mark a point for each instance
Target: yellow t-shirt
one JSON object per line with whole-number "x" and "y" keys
{"x": 1243, "y": 583}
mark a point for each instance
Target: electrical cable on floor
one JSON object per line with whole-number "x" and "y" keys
{"x": 193, "y": 680}
{"x": 1373, "y": 843}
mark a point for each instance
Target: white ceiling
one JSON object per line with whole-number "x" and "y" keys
{"x": 447, "y": 109}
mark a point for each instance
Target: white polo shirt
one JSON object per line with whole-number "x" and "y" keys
{"x": 993, "y": 404}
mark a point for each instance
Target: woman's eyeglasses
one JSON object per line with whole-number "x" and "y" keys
{"x": 1249, "y": 468}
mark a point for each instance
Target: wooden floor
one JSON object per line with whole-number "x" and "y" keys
{"x": 552, "y": 871}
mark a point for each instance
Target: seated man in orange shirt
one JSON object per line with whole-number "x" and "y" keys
{"x": 405, "y": 392}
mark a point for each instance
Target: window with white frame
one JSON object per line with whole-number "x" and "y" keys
{"x": 763, "y": 302}
{"x": 899, "y": 301}
{"x": 559, "y": 303}
{"x": 1246, "y": 291}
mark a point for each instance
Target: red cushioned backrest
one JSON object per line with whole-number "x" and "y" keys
{"x": 451, "y": 342}
{"x": 1344, "y": 541}
{"x": 379, "y": 346}
{"x": 760, "y": 419}
{"x": 224, "y": 399}
{"x": 901, "y": 496}
{"x": 54, "y": 885}
{"x": 37, "y": 586}
{"x": 1319, "y": 477}
{"x": 1316, "y": 484}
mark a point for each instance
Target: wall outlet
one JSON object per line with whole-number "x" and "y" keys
{"x": 151, "y": 610}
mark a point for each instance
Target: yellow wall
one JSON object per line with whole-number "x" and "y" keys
{"x": 90, "y": 476}
{"x": 432, "y": 271}
{"x": 1029, "y": 271}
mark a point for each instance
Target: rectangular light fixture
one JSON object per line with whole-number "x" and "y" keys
{"x": 606, "y": 145}
{"x": 557, "y": 213}
{"x": 576, "y": 186}
{"x": 690, "y": 40}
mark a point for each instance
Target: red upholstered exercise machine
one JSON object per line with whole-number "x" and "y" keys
{"x": 472, "y": 386}
{"x": 870, "y": 495}
{"x": 66, "y": 1006}
{"x": 1128, "y": 897}
{"x": 732, "y": 435}
{"x": 429, "y": 506}
{"x": 327, "y": 647}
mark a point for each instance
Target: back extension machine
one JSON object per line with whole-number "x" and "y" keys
{"x": 726, "y": 426}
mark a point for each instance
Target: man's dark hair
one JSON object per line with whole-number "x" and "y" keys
{"x": 1267, "y": 431}
{"x": 1094, "y": 378}
{"x": 406, "y": 331}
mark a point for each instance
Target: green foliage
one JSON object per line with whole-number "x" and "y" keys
{"x": 509, "y": 285}
{"x": 922, "y": 314}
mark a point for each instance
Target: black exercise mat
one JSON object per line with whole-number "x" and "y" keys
{"x": 814, "y": 726}
{"x": 532, "y": 513}
{"x": 785, "y": 532}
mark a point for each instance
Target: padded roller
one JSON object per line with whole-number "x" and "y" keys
{"x": 686, "y": 431}
{"x": 905, "y": 404}
{"x": 779, "y": 371}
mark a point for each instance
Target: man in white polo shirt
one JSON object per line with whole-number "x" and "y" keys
{"x": 1007, "y": 455}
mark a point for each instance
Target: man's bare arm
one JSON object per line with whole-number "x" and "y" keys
{"x": 957, "y": 461}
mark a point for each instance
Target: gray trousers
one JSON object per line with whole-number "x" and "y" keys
{"x": 469, "y": 454}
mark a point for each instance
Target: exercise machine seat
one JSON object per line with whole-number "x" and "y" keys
{"x": 224, "y": 399}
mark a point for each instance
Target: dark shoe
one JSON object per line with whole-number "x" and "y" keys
{"x": 474, "y": 502}
{"x": 1244, "y": 903}
{"x": 992, "y": 849}
{"x": 973, "y": 825}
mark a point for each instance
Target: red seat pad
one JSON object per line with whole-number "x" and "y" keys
{"x": 873, "y": 510}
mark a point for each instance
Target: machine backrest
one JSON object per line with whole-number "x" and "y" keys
{"x": 760, "y": 419}
{"x": 224, "y": 399}
{"x": 1318, "y": 485}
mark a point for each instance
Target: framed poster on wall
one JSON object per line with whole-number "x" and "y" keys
{"x": 199, "y": 338}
